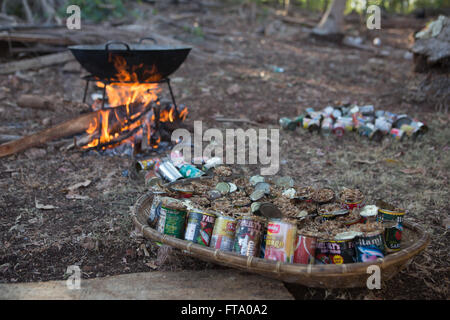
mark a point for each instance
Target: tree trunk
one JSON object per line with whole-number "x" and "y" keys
{"x": 331, "y": 24}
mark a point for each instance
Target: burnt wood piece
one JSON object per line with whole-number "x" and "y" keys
{"x": 62, "y": 130}
{"x": 65, "y": 129}
{"x": 36, "y": 63}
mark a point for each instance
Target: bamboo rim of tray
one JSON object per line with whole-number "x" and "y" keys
{"x": 265, "y": 266}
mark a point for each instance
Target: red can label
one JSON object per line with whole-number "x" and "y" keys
{"x": 305, "y": 249}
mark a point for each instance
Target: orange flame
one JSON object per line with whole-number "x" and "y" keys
{"x": 134, "y": 98}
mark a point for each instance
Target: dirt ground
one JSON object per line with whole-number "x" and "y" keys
{"x": 234, "y": 79}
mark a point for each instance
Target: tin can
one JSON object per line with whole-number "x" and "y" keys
{"x": 401, "y": 120}
{"x": 353, "y": 205}
{"x": 172, "y": 217}
{"x": 420, "y": 127}
{"x": 383, "y": 124}
{"x": 397, "y": 134}
{"x": 223, "y": 233}
{"x": 199, "y": 227}
{"x": 299, "y": 120}
{"x": 379, "y": 113}
{"x": 377, "y": 135}
{"x": 393, "y": 228}
{"x": 347, "y": 123}
{"x": 270, "y": 211}
{"x": 146, "y": 164}
{"x": 311, "y": 124}
{"x": 367, "y": 110}
{"x": 305, "y": 249}
{"x": 338, "y": 129}
{"x": 169, "y": 171}
{"x": 154, "y": 210}
{"x": 369, "y": 213}
{"x": 288, "y": 124}
{"x": 152, "y": 179}
{"x": 183, "y": 192}
{"x": 339, "y": 250}
{"x": 280, "y": 240}
{"x": 345, "y": 110}
{"x": 408, "y": 129}
{"x": 248, "y": 237}
{"x": 321, "y": 254}
{"x": 328, "y": 110}
{"x": 336, "y": 113}
{"x": 366, "y": 130}
{"x": 354, "y": 109}
{"x": 262, "y": 251}
{"x": 333, "y": 214}
{"x": 391, "y": 117}
{"x": 327, "y": 126}
{"x": 190, "y": 171}
{"x": 370, "y": 246}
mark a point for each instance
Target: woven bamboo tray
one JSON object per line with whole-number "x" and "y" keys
{"x": 353, "y": 275}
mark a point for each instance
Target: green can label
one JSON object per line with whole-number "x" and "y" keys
{"x": 393, "y": 229}
{"x": 171, "y": 222}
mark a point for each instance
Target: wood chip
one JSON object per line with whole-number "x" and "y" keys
{"x": 43, "y": 206}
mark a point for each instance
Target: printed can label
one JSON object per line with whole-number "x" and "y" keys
{"x": 335, "y": 252}
{"x": 171, "y": 222}
{"x": 154, "y": 213}
{"x": 223, "y": 234}
{"x": 199, "y": 227}
{"x": 280, "y": 241}
{"x": 248, "y": 236}
{"x": 369, "y": 247}
{"x": 305, "y": 249}
{"x": 393, "y": 229}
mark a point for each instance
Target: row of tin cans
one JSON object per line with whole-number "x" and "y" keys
{"x": 350, "y": 247}
{"x": 247, "y": 235}
{"x": 365, "y": 120}
{"x": 274, "y": 239}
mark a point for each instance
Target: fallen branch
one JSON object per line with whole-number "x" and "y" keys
{"x": 79, "y": 142}
{"x": 23, "y": 37}
{"x": 31, "y": 26}
{"x": 50, "y": 103}
{"x": 35, "y": 63}
{"x": 36, "y": 102}
{"x": 62, "y": 130}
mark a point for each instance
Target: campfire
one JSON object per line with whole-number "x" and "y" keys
{"x": 131, "y": 113}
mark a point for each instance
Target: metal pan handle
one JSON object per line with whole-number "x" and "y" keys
{"x": 116, "y": 42}
{"x": 147, "y": 38}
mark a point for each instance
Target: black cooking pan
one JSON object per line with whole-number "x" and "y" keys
{"x": 149, "y": 62}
